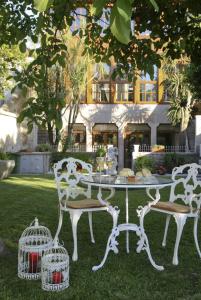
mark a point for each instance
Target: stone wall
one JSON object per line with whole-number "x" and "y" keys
{"x": 13, "y": 136}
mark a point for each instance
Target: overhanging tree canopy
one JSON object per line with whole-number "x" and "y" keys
{"x": 174, "y": 27}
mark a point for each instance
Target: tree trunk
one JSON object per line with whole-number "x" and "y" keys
{"x": 187, "y": 149}
{"x": 50, "y": 134}
{"x": 73, "y": 113}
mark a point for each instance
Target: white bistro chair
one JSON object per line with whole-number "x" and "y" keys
{"x": 185, "y": 177}
{"x": 68, "y": 174}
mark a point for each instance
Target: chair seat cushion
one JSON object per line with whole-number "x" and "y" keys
{"x": 81, "y": 204}
{"x": 172, "y": 207}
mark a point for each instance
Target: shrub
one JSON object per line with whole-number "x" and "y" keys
{"x": 144, "y": 162}
{"x": 3, "y": 156}
{"x": 43, "y": 148}
{"x": 101, "y": 152}
{"x": 172, "y": 160}
{"x": 85, "y": 156}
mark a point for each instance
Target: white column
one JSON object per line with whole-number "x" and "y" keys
{"x": 153, "y": 133}
{"x": 89, "y": 139}
{"x": 120, "y": 148}
{"x": 135, "y": 154}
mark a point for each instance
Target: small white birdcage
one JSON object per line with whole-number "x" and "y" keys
{"x": 33, "y": 242}
{"x": 55, "y": 268}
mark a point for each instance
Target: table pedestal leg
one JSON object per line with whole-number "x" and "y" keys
{"x": 143, "y": 244}
{"x": 127, "y": 220}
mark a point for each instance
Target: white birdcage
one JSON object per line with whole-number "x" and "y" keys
{"x": 33, "y": 242}
{"x": 55, "y": 268}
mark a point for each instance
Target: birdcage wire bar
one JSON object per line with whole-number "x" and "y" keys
{"x": 55, "y": 269}
{"x": 34, "y": 240}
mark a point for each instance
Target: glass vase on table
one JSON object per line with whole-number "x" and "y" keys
{"x": 109, "y": 163}
{"x": 100, "y": 161}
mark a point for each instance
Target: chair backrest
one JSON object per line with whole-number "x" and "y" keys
{"x": 68, "y": 174}
{"x": 186, "y": 178}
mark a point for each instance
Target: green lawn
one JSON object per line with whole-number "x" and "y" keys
{"x": 123, "y": 276}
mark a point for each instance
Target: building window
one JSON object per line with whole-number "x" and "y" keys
{"x": 145, "y": 90}
{"x": 167, "y": 135}
{"x": 101, "y": 84}
{"x": 78, "y": 138}
{"x": 42, "y": 136}
{"x": 101, "y": 92}
{"x": 124, "y": 92}
{"x": 104, "y": 134}
{"x": 148, "y": 92}
{"x": 148, "y": 87}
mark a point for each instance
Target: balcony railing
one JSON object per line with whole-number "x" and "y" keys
{"x": 77, "y": 148}
{"x": 165, "y": 148}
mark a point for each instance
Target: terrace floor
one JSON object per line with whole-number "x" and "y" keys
{"x": 124, "y": 276}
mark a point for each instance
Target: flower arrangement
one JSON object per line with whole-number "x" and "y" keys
{"x": 161, "y": 170}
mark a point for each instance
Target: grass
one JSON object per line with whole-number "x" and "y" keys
{"x": 123, "y": 276}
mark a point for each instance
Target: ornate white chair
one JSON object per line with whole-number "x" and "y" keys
{"x": 68, "y": 174}
{"x": 185, "y": 177}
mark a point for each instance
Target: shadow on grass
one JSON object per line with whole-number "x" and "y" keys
{"x": 123, "y": 276}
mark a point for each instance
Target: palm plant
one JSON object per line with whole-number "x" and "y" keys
{"x": 178, "y": 88}
{"x": 75, "y": 78}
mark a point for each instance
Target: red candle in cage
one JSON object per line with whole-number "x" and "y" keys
{"x": 57, "y": 277}
{"x": 33, "y": 262}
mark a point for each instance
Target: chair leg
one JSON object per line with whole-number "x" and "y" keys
{"x": 180, "y": 221}
{"x": 59, "y": 225}
{"x": 90, "y": 226}
{"x": 75, "y": 216}
{"x": 195, "y": 235}
{"x": 166, "y": 230}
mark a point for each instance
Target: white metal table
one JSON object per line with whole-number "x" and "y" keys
{"x": 112, "y": 182}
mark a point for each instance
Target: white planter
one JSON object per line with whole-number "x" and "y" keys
{"x": 6, "y": 167}
{"x": 34, "y": 162}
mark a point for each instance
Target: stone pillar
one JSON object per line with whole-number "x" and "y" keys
{"x": 135, "y": 154}
{"x": 197, "y": 133}
{"x": 89, "y": 147}
{"x": 153, "y": 133}
{"x": 120, "y": 148}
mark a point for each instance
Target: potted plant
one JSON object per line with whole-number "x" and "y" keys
{"x": 161, "y": 170}
{"x": 101, "y": 152}
{"x": 6, "y": 165}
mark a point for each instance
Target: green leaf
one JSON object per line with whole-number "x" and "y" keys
{"x": 34, "y": 38}
{"x": 75, "y": 32}
{"x": 98, "y": 6}
{"x": 58, "y": 123}
{"x": 23, "y": 47}
{"x": 155, "y": 5}
{"x": 120, "y": 22}
{"x": 61, "y": 61}
{"x": 42, "y": 5}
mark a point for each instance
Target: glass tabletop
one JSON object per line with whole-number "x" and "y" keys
{"x": 130, "y": 181}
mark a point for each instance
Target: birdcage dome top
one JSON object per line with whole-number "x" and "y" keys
{"x": 36, "y": 236}
{"x": 56, "y": 248}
